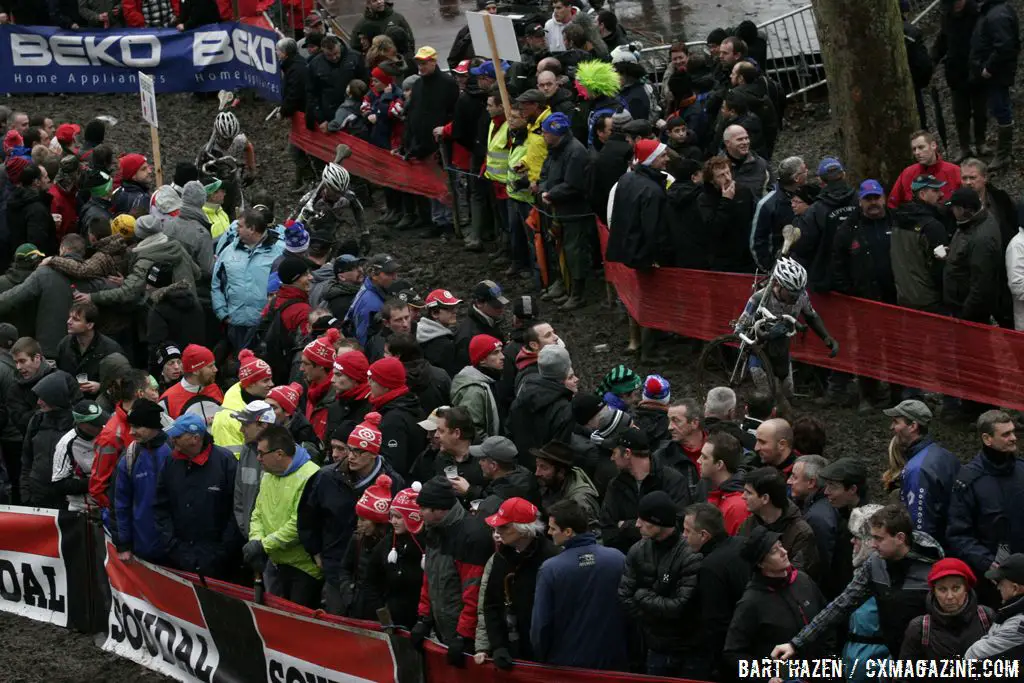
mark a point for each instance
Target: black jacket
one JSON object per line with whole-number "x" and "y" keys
{"x": 954, "y": 44}
{"x": 513, "y": 582}
{"x": 41, "y": 436}
{"x": 470, "y": 114}
{"x": 722, "y": 581}
{"x": 652, "y": 418}
{"x": 29, "y": 219}
{"x": 823, "y": 519}
{"x": 22, "y": 401}
{"x": 326, "y": 83}
{"x": 520, "y": 483}
{"x": 975, "y": 272}
{"x": 659, "y": 592}
{"x": 622, "y": 502}
{"x": 339, "y": 296}
{"x": 293, "y": 85}
{"x": 797, "y": 538}
{"x": 360, "y": 598}
{"x": 607, "y": 167}
{"x": 402, "y": 438}
{"x": 746, "y": 439}
{"x": 75, "y": 362}
{"x": 691, "y": 238}
{"x": 771, "y": 612}
{"x": 949, "y": 635}
{"x": 399, "y": 581}
{"x": 541, "y": 412}
{"x": 671, "y": 455}
{"x": 564, "y": 177}
{"x": 862, "y": 258}
{"x": 637, "y": 237}
{"x": 431, "y": 385}
{"x": 341, "y": 411}
{"x": 818, "y": 227}
{"x": 995, "y": 43}
{"x": 175, "y": 314}
{"x": 432, "y": 105}
{"x": 470, "y": 325}
{"x": 728, "y": 224}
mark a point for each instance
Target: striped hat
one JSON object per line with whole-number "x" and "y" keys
{"x": 620, "y": 380}
{"x": 657, "y": 388}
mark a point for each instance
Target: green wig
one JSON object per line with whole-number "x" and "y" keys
{"x": 599, "y": 78}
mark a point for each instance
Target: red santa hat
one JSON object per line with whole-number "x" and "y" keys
{"x": 367, "y": 436}
{"x": 375, "y": 503}
{"x": 649, "y": 150}
{"x": 320, "y": 351}
{"x": 251, "y": 369}
{"x": 287, "y": 396}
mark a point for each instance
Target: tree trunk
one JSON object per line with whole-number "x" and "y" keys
{"x": 869, "y": 85}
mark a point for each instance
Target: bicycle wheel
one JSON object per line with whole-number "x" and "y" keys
{"x": 722, "y": 364}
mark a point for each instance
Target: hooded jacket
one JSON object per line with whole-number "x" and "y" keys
{"x": 728, "y": 498}
{"x": 975, "y": 272}
{"x": 1005, "y": 640}
{"x": 337, "y": 296}
{"x": 174, "y": 314}
{"x": 375, "y": 23}
{"x": 637, "y": 236}
{"x": 797, "y": 538}
{"x": 156, "y": 248}
{"x": 240, "y": 274}
{"x": 438, "y": 344}
{"x": 622, "y": 502}
{"x": 368, "y": 301}
{"x": 818, "y": 227}
{"x": 192, "y": 228}
{"x": 274, "y": 518}
{"x": 43, "y": 432}
{"x": 29, "y": 219}
{"x": 320, "y": 279}
{"x": 432, "y": 386}
{"x": 474, "y": 391}
{"x": 541, "y": 412}
{"x": 917, "y": 273}
{"x": 134, "y": 528}
{"x": 948, "y": 636}
{"x": 131, "y": 197}
{"x": 22, "y": 401}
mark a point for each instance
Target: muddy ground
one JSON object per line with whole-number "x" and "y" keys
{"x": 34, "y": 652}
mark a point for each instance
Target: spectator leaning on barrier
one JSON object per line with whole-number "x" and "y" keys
{"x": 134, "y": 530}
{"x": 974, "y": 277}
{"x": 254, "y": 419}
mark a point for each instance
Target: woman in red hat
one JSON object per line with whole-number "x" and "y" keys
{"x": 396, "y": 566}
{"x": 954, "y": 620}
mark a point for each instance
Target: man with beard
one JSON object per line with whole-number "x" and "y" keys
{"x": 197, "y": 385}
{"x": 560, "y": 479}
{"x": 475, "y": 385}
{"x": 436, "y": 332}
{"x": 133, "y": 194}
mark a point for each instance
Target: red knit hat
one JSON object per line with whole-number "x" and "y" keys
{"x": 352, "y": 364}
{"x": 320, "y": 351}
{"x": 251, "y": 369}
{"x": 130, "y": 165}
{"x": 15, "y": 165}
{"x": 950, "y": 566}
{"x": 481, "y": 346}
{"x": 387, "y": 372}
{"x": 287, "y": 396}
{"x": 367, "y": 436}
{"x": 196, "y": 357}
{"x": 382, "y": 76}
{"x": 405, "y": 504}
{"x": 375, "y": 502}
{"x": 13, "y": 139}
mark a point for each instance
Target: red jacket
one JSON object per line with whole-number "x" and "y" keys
{"x": 108, "y": 447}
{"x": 297, "y": 315}
{"x": 132, "y": 12}
{"x": 177, "y": 397}
{"x": 728, "y": 498}
{"x": 943, "y": 170}
{"x": 66, "y": 205}
{"x": 461, "y": 157}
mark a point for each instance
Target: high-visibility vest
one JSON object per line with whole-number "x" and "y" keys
{"x": 517, "y": 155}
{"x": 497, "y": 153}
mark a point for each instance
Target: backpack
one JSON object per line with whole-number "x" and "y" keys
{"x": 926, "y": 625}
{"x": 276, "y": 344}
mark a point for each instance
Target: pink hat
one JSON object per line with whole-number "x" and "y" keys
{"x": 367, "y": 436}
{"x": 320, "y": 351}
{"x": 375, "y": 503}
{"x": 287, "y": 396}
{"x": 481, "y": 346}
{"x": 252, "y": 369}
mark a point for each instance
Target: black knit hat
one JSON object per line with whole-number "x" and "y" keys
{"x": 145, "y": 413}
{"x": 658, "y": 508}
{"x": 758, "y": 544}
{"x": 184, "y": 172}
{"x": 437, "y": 494}
{"x": 585, "y": 407}
{"x": 291, "y": 269}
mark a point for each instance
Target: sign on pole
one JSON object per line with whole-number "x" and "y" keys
{"x": 494, "y": 37}
{"x": 148, "y": 94}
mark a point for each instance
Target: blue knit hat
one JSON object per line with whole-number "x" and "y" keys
{"x": 296, "y": 239}
{"x": 657, "y": 388}
{"x": 273, "y": 282}
{"x": 557, "y": 124}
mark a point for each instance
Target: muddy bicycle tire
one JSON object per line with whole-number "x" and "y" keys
{"x": 716, "y": 363}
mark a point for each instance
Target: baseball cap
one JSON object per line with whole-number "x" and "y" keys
{"x": 255, "y": 411}
{"x": 871, "y": 188}
{"x": 489, "y": 290}
{"x": 525, "y": 307}
{"x": 430, "y": 424}
{"x": 965, "y": 198}
{"x": 913, "y": 410}
{"x": 385, "y": 263}
{"x": 496, "y": 448}
{"x": 28, "y": 251}
{"x": 462, "y": 67}
{"x": 404, "y": 291}
{"x": 923, "y": 181}
{"x": 187, "y": 423}
{"x": 847, "y": 471}
{"x": 535, "y": 30}
{"x": 345, "y": 263}
{"x": 441, "y": 297}
{"x": 829, "y": 165}
{"x": 487, "y": 69}
{"x": 631, "y": 438}
{"x": 557, "y": 124}
{"x": 425, "y": 53}
{"x": 513, "y": 511}
{"x": 1011, "y": 569}
{"x": 313, "y": 19}
{"x": 532, "y": 95}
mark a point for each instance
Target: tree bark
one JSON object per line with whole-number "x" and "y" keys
{"x": 869, "y": 85}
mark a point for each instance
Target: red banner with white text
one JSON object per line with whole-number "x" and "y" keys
{"x": 377, "y": 165}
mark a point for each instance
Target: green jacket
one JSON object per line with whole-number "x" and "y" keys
{"x": 474, "y": 391}
{"x": 274, "y": 519}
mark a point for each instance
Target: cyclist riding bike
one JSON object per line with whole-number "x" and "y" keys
{"x": 334, "y": 198}
{"x": 771, "y": 318}
{"x": 223, "y": 153}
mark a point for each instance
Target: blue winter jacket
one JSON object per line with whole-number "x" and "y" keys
{"x": 195, "y": 513}
{"x": 240, "y": 274}
{"x": 135, "y": 497}
{"x": 928, "y": 480}
{"x": 369, "y": 300}
{"x": 864, "y": 642}
{"x": 577, "y": 617}
{"x": 983, "y": 510}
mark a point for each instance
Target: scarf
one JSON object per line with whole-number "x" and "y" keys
{"x": 315, "y": 393}
{"x": 357, "y": 393}
{"x": 200, "y": 459}
{"x": 384, "y": 399}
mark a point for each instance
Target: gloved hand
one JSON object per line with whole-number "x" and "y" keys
{"x": 457, "y": 652}
{"x": 419, "y": 633}
{"x": 254, "y": 555}
{"x": 502, "y": 659}
{"x": 833, "y": 346}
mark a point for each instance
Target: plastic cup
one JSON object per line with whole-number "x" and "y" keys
{"x": 451, "y": 472}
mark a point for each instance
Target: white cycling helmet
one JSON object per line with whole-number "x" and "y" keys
{"x": 790, "y": 274}
{"x": 335, "y": 177}
{"x": 226, "y": 125}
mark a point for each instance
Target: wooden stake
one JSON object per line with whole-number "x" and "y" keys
{"x": 498, "y": 70}
{"x": 154, "y": 135}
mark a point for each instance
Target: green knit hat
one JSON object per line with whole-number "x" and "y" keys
{"x": 620, "y": 381}
{"x": 213, "y": 186}
{"x": 88, "y": 411}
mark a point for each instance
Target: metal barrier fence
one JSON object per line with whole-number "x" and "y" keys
{"x": 794, "y": 55}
